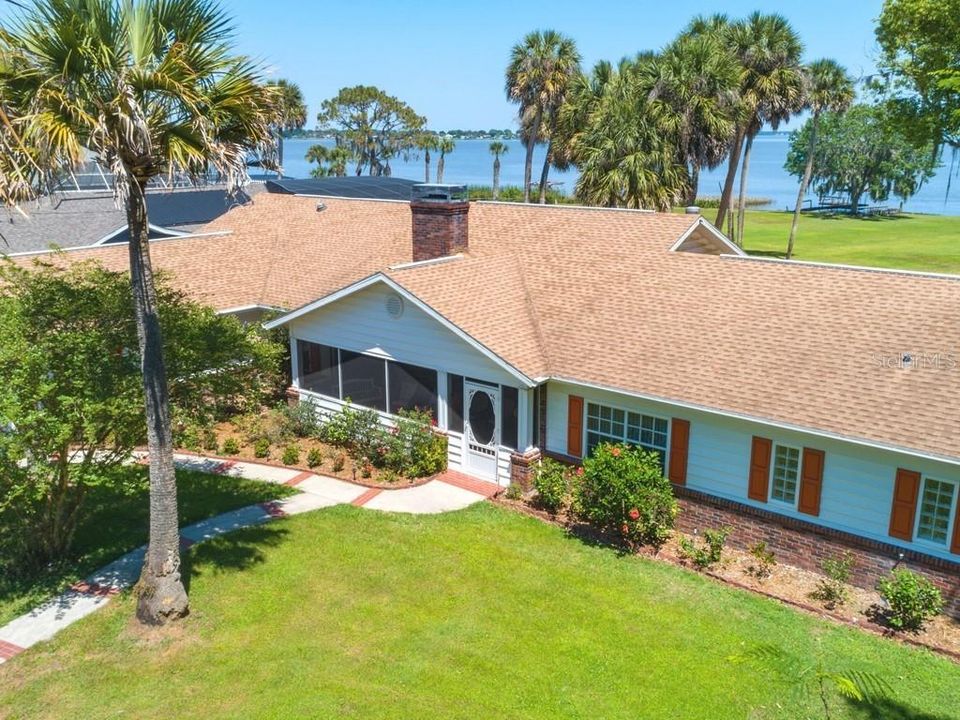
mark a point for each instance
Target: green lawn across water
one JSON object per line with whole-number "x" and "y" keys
{"x": 908, "y": 242}
{"x": 483, "y": 613}
{"x": 117, "y": 522}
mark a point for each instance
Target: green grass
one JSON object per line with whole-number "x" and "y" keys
{"x": 484, "y": 613}
{"x": 117, "y": 522}
{"x": 908, "y": 242}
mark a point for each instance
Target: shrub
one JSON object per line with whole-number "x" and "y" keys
{"x": 412, "y": 447}
{"x": 366, "y": 468}
{"x": 314, "y": 457}
{"x": 832, "y": 590}
{"x": 514, "y": 492}
{"x": 710, "y": 553}
{"x": 622, "y": 489}
{"x": 231, "y": 447}
{"x": 339, "y": 460}
{"x": 301, "y": 419}
{"x": 358, "y": 430}
{"x": 208, "y": 438}
{"x": 551, "y": 480}
{"x": 291, "y": 455}
{"x": 764, "y": 559}
{"x": 912, "y": 599}
{"x": 261, "y": 448}
{"x": 388, "y": 476}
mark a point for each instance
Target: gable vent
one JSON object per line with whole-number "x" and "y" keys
{"x": 394, "y": 306}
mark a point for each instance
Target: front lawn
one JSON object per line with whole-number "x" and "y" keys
{"x": 117, "y": 522}
{"x": 909, "y": 242}
{"x": 482, "y": 613}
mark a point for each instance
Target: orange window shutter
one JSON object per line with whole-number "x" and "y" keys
{"x": 955, "y": 541}
{"x": 811, "y": 481}
{"x": 759, "y": 481}
{"x": 575, "y": 426}
{"x": 679, "y": 446}
{"x": 904, "y": 509}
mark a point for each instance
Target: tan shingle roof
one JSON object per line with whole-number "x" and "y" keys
{"x": 595, "y": 296}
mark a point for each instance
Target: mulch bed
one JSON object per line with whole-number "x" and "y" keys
{"x": 787, "y": 584}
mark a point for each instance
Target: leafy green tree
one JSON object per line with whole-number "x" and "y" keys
{"x": 71, "y": 401}
{"x": 539, "y": 75}
{"x": 625, "y": 157}
{"x": 147, "y": 87}
{"x": 292, "y": 111}
{"x": 829, "y": 89}
{"x": 445, "y": 145}
{"x": 374, "y": 126}
{"x": 331, "y": 161}
{"x": 693, "y": 93}
{"x": 861, "y": 152}
{"x": 920, "y": 68}
{"x": 497, "y": 149}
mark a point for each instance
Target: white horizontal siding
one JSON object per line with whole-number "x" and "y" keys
{"x": 360, "y": 323}
{"x": 857, "y": 490}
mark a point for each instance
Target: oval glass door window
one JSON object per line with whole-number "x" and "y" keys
{"x": 483, "y": 418}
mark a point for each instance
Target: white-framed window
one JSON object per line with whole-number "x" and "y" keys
{"x": 785, "y": 474}
{"x": 936, "y": 510}
{"x": 616, "y": 425}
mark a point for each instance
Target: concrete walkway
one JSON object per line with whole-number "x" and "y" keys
{"x": 450, "y": 491}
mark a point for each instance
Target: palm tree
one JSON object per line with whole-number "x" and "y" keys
{"x": 539, "y": 74}
{"x": 147, "y": 87}
{"x": 425, "y": 142}
{"x": 444, "y": 146}
{"x": 497, "y": 149}
{"x": 331, "y": 161}
{"x": 292, "y": 112}
{"x": 770, "y": 51}
{"x": 829, "y": 89}
{"x": 694, "y": 93}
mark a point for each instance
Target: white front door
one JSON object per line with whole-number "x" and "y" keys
{"x": 481, "y": 428}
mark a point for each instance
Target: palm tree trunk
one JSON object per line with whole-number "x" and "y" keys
{"x": 742, "y": 200}
{"x": 804, "y": 184}
{"x": 496, "y": 178}
{"x": 544, "y": 173}
{"x": 426, "y": 166}
{"x": 528, "y": 164}
{"x": 160, "y": 593}
{"x": 440, "y": 164}
{"x": 694, "y": 184}
{"x": 280, "y": 154}
{"x": 732, "y": 164}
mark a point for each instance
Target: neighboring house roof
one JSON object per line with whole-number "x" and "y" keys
{"x": 358, "y": 187}
{"x": 597, "y": 297}
{"x": 78, "y": 219}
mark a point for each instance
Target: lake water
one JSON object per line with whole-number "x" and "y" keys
{"x": 471, "y": 164}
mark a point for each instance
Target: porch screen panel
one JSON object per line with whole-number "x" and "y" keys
{"x": 412, "y": 388}
{"x": 364, "y": 379}
{"x": 318, "y": 368}
{"x": 509, "y": 402}
{"x": 455, "y": 403}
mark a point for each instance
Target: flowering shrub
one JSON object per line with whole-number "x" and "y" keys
{"x": 552, "y": 481}
{"x": 623, "y": 489}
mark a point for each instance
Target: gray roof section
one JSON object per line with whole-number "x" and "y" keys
{"x": 355, "y": 186}
{"x": 78, "y": 219}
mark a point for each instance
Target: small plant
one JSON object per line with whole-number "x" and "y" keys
{"x": 301, "y": 419}
{"x": 366, "y": 468}
{"x": 912, "y": 599}
{"x": 764, "y": 561}
{"x": 291, "y": 455}
{"x": 552, "y": 483}
{"x": 231, "y": 447}
{"x": 314, "y": 457}
{"x": 388, "y": 476}
{"x": 339, "y": 460}
{"x": 514, "y": 492}
{"x": 208, "y": 439}
{"x": 832, "y": 590}
{"x": 710, "y": 553}
{"x": 261, "y": 448}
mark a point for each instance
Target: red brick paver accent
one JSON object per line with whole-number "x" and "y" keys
{"x": 466, "y": 482}
{"x": 273, "y": 509}
{"x": 94, "y": 589}
{"x": 8, "y": 650}
{"x": 366, "y": 497}
{"x": 297, "y": 479}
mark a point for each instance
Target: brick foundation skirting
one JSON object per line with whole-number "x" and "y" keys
{"x": 806, "y": 545}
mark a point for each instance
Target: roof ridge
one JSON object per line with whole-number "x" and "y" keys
{"x": 844, "y": 267}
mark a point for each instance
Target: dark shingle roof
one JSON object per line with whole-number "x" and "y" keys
{"x": 356, "y": 187}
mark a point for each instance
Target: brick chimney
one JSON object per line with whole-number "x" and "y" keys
{"x": 439, "y": 220}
